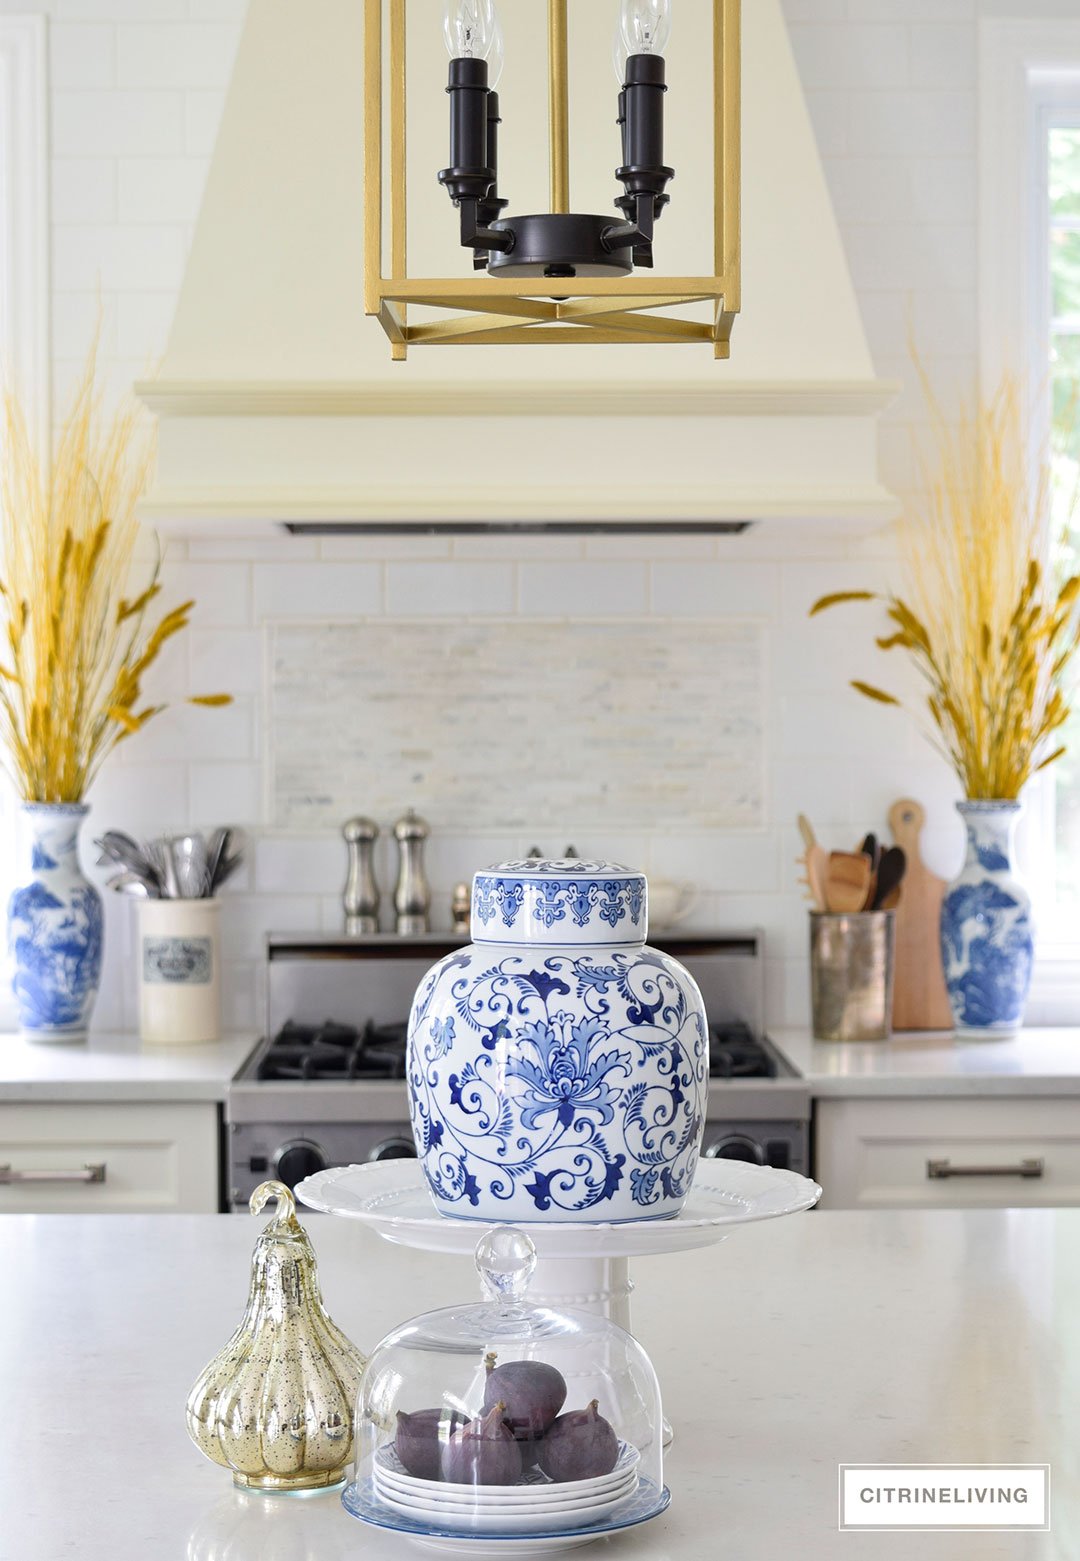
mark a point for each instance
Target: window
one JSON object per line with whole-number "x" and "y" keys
{"x": 24, "y": 301}
{"x": 1061, "y": 147}
{"x": 24, "y": 204}
{"x": 1029, "y": 318}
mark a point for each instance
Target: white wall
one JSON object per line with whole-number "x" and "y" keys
{"x": 137, "y": 89}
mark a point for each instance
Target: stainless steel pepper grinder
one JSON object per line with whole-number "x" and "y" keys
{"x": 361, "y": 895}
{"x": 412, "y": 896}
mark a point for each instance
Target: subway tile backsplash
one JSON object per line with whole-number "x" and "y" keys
{"x": 683, "y": 744}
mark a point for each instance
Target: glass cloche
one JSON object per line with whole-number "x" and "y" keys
{"x": 503, "y": 1420}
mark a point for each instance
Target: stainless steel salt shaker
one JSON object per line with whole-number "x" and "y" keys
{"x": 361, "y": 895}
{"x": 412, "y": 896}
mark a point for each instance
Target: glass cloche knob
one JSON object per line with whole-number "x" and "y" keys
{"x": 505, "y": 1260}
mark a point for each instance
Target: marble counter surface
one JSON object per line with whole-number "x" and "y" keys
{"x": 789, "y": 1348}
{"x": 113, "y": 1067}
{"x": 1037, "y": 1062}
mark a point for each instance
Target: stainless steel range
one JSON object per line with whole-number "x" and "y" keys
{"x": 328, "y": 1085}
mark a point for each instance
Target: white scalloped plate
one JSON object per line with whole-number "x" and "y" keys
{"x": 480, "y": 1520}
{"x": 361, "y": 1501}
{"x": 392, "y": 1197}
{"x": 533, "y": 1489}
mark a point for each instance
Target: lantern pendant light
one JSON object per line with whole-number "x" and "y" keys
{"x": 592, "y": 257}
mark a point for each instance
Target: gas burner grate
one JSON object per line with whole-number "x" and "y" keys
{"x": 335, "y": 1051}
{"x": 735, "y": 1053}
{"x": 332, "y": 1050}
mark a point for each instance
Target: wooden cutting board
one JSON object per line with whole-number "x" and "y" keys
{"x": 920, "y": 998}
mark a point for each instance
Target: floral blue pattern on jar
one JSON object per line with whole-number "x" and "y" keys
{"x": 987, "y": 935}
{"x": 55, "y": 928}
{"x": 558, "y": 1068}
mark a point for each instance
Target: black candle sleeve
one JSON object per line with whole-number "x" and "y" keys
{"x": 469, "y": 174}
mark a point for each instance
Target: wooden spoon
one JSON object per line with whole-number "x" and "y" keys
{"x": 806, "y": 830}
{"x": 847, "y": 882}
{"x": 816, "y": 862}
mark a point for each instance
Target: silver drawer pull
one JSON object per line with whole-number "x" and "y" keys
{"x": 941, "y": 1170}
{"x": 89, "y": 1173}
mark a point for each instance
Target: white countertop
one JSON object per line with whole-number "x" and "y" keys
{"x": 1037, "y": 1062}
{"x": 116, "y": 1066}
{"x": 113, "y": 1067}
{"x": 931, "y": 1336}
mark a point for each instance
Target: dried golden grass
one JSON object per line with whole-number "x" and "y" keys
{"x": 76, "y": 648}
{"x": 991, "y": 636}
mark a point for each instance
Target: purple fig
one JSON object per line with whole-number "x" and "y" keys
{"x": 420, "y": 1439}
{"x": 581, "y": 1445}
{"x": 483, "y": 1452}
{"x": 532, "y": 1392}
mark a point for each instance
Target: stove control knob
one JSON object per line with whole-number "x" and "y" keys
{"x": 396, "y": 1148}
{"x": 298, "y": 1159}
{"x": 736, "y": 1146}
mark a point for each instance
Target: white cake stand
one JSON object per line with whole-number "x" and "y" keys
{"x": 579, "y": 1265}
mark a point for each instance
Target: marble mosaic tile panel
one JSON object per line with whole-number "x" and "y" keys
{"x": 519, "y": 725}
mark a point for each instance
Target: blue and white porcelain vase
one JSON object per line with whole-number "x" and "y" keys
{"x": 987, "y": 936}
{"x": 55, "y": 927}
{"x": 558, "y": 1068}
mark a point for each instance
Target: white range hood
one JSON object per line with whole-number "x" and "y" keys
{"x": 278, "y": 402}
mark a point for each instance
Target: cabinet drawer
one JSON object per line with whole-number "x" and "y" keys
{"x": 874, "y": 1154}
{"x": 155, "y": 1158}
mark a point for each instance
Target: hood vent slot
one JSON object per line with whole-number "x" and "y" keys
{"x": 497, "y": 528}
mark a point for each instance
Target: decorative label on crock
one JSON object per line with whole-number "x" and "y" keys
{"x": 177, "y": 961}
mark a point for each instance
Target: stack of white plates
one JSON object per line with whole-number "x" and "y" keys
{"x": 536, "y": 1505}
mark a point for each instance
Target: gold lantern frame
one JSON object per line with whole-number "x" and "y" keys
{"x": 489, "y": 310}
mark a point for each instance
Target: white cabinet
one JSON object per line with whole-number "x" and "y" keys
{"x": 74, "y": 1158}
{"x": 947, "y": 1153}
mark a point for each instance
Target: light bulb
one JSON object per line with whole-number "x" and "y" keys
{"x": 469, "y": 27}
{"x": 496, "y": 54}
{"x": 644, "y": 28}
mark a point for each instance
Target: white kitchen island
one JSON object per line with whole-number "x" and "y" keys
{"x": 789, "y": 1348}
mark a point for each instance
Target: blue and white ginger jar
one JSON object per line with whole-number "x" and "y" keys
{"x": 55, "y": 927}
{"x": 987, "y": 935}
{"x": 558, "y": 1067}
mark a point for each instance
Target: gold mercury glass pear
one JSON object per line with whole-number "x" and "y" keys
{"x": 276, "y": 1405}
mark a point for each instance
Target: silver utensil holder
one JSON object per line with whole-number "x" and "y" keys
{"x": 851, "y": 975}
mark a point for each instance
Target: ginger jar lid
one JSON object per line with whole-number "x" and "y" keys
{"x": 562, "y": 901}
